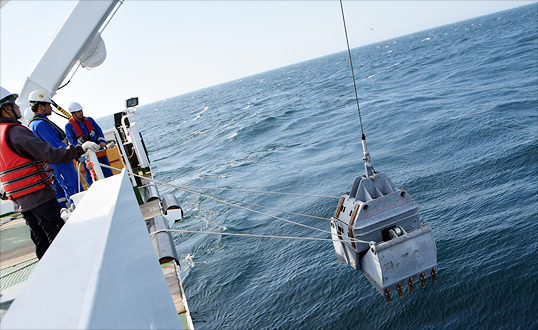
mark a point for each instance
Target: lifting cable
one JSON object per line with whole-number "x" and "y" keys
{"x": 112, "y": 16}
{"x": 352, "y": 73}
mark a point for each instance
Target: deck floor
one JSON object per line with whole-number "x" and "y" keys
{"x": 17, "y": 252}
{"x": 150, "y": 209}
{"x": 171, "y": 275}
{"x": 16, "y": 246}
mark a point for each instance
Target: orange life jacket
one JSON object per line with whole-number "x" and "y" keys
{"x": 81, "y": 138}
{"x": 19, "y": 175}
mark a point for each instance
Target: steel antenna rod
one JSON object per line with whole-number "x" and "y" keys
{"x": 365, "y": 153}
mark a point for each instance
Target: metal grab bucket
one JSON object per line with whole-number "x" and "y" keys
{"x": 401, "y": 261}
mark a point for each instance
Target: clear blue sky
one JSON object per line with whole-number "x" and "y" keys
{"x": 160, "y": 49}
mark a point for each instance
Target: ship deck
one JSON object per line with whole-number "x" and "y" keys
{"x": 18, "y": 259}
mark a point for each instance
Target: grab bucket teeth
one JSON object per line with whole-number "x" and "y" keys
{"x": 400, "y": 260}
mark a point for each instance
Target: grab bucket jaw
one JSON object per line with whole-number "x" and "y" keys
{"x": 401, "y": 261}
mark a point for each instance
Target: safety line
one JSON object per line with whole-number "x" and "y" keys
{"x": 267, "y": 207}
{"x": 263, "y": 192}
{"x": 225, "y": 202}
{"x": 217, "y": 199}
{"x": 230, "y": 189}
{"x": 262, "y": 213}
{"x": 78, "y": 176}
{"x": 253, "y": 235}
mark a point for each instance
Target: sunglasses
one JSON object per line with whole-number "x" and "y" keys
{"x": 9, "y": 100}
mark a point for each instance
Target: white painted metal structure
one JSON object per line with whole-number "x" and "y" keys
{"x": 133, "y": 136}
{"x": 77, "y": 40}
{"x": 96, "y": 166}
{"x": 101, "y": 271}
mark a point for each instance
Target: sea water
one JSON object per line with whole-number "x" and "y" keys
{"x": 449, "y": 114}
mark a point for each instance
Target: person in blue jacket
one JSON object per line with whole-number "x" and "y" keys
{"x": 80, "y": 129}
{"x": 66, "y": 177}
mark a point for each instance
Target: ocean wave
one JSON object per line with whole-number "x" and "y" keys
{"x": 446, "y": 116}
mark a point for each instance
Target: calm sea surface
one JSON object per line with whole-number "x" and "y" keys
{"x": 450, "y": 114}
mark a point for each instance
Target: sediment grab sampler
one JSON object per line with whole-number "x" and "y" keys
{"x": 377, "y": 229}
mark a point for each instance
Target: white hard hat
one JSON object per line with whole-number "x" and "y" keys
{"x": 74, "y": 107}
{"x": 39, "y": 96}
{"x": 5, "y": 94}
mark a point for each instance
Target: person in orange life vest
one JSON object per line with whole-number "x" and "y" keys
{"x": 25, "y": 175}
{"x": 65, "y": 175}
{"x": 80, "y": 129}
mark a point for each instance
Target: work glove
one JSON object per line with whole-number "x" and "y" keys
{"x": 111, "y": 144}
{"x": 65, "y": 213}
{"x": 89, "y": 145}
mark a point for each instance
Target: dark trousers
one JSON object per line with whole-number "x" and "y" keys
{"x": 45, "y": 223}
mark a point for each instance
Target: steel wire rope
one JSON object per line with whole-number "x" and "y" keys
{"x": 232, "y": 204}
{"x": 217, "y": 198}
{"x": 352, "y": 72}
{"x": 271, "y": 216}
{"x": 251, "y": 210}
{"x": 261, "y": 236}
{"x": 261, "y": 192}
{"x": 231, "y": 189}
{"x": 267, "y": 207}
{"x": 249, "y": 235}
{"x": 275, "y": 217}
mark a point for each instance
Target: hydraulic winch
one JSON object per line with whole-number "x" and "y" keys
{"x": 377, "y": 230}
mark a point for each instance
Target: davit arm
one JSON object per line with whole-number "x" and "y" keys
{"x": 78, "y": 40}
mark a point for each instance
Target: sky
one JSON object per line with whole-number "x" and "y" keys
{"x": 160, "y": 49}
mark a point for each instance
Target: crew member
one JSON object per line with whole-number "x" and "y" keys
{"x": 80, "y": 129}
{"x": 66, "y": 177}
{"x": 25, "y": 175}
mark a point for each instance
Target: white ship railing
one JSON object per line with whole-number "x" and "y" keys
{"x": 100, "y": 272}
